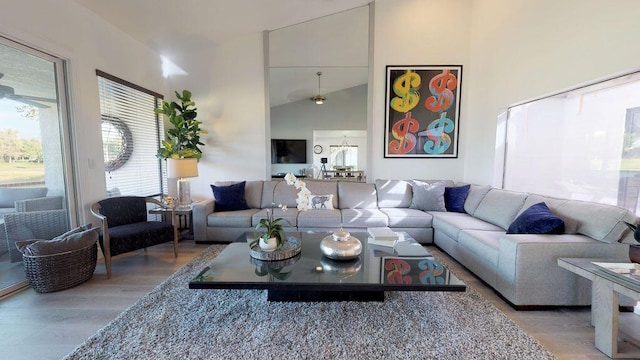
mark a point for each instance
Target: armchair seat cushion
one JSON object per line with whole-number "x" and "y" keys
{"x": 129, "y": 237}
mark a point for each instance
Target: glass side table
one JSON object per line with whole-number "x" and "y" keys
{"x": 615, "y": 335}
{"x": 184, "y": 217}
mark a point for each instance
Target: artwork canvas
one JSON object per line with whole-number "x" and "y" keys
{"x": 422, "y": 111}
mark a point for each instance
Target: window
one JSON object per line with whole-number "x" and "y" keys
{"x": 580, "y": 144}
{"x": 131, "y": 133}
{"x": 35, "y": 147}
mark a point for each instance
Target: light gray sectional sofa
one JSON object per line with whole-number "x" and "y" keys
{"x": 520, "y": 267}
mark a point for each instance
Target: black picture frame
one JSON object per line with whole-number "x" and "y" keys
{"x": 422, "y": 111}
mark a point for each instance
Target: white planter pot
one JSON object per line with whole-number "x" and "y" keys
{"x": 268, "y": 245}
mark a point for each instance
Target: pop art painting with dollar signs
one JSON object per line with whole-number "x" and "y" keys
{"x": 422, "y": 111}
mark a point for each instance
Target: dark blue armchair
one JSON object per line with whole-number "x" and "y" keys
{"x": 125, "y": 227}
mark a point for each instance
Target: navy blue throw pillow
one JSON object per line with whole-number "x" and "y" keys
{"x": 537, "y": 219}
{"x": 454, "y": 198}
{"x": 230, "y": 197}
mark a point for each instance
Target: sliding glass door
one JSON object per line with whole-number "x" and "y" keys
{"x": 35, "y": 153}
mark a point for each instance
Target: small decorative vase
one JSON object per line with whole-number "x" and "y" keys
{"x": 269, "y": 245}
{"x": 341, "y": 246}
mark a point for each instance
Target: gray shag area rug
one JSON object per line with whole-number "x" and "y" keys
{"x": 175, "y": 322}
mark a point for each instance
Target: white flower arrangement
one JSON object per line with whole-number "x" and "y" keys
{"x": 303, "y": 193}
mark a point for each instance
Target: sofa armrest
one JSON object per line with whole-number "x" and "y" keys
{"x": 201, "y": 210}
{"x": 39, "y": 204}
{"x": 528, "y": 267}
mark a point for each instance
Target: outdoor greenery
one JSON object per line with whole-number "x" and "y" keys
{"x": 19, "y": 172}
{"x": 13, "y": 148}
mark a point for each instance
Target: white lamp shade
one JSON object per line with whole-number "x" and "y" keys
{"x": 182, "y": 168}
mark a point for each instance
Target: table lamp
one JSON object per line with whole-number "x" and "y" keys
{"x": 183, "y": 169}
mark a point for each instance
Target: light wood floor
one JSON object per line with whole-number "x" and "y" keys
{"x": 48, "y": 326}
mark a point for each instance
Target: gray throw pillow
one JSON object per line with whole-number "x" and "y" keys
{"x": 428, "y": 197}
{"x": 75, "y": 241}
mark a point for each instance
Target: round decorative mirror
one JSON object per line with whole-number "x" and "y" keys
{"x": 117, "y": 142}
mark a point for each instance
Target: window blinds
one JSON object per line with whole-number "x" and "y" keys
{"x": 140, "y": 173}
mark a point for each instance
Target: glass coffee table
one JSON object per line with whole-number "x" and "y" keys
{"x": 311, "y": 276}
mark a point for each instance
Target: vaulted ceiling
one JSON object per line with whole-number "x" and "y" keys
{"x": 171, "y": 27}
{"x": 177, "y": 28}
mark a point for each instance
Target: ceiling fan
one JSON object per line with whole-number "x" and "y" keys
{"x": 9, "y": 93}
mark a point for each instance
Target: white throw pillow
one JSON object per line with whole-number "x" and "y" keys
{"x": 321, "y": 202}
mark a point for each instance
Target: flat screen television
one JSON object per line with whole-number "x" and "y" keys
{"x": 288, "y": 151}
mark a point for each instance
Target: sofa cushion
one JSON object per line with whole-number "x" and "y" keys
{"x": 430, "y": 181}
{"x": 484, "y": 244}
{"x": 8, "y": 196}
{"x": 357, "y": 195}
{"x": 451, "y": 223}
{"x": 394, "y": 193}
{"x": 475, "y": 196}
{"x": 553, "y": 204}
{"x": 230, "y": 197}
{"x": 239, "y": 218}
{"x": 428, "y": 197}
{"x": 277, "y": 192}
{"x": 6, "y": 211}
{"x": 537, "y": 219}
{"x": 321, "y": 202}
{"x": 364, "y": 218}
{"x": 454, "y": 197}
{"x": 319, "y": 219}
{"x": 500, "y": 207}
{"x": 408, "y": 218}
{"x": 598, "y": 221}
{"x": 290, "y": 216}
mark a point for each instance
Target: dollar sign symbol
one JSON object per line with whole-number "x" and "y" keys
{"x": 406, "y": 88}
{"x": 441, "y": 87}
{"x": 439, "y": 141}
{"x": 397, "y": 271}
{"x": 432, "y": 272}
{"x": 403, "y": 132}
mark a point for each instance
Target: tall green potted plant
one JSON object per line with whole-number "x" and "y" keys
{"x": 183, "y": 140}
{"x": 181, "y": 148}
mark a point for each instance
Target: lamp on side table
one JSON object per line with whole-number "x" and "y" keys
{"x": 183, "y": 169}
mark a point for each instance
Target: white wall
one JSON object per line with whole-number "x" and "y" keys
{"x": 227, "y": 82}
{"x": 418, "y": 32}
{"x": 524, "y": 49}
{"x": 510, "y": 50}
{"x": 67, "y": 30}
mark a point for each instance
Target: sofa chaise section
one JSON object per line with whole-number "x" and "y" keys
{"x": 523, "y": 267}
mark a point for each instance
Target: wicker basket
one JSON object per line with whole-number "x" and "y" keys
{"x": 56, "y": 272}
